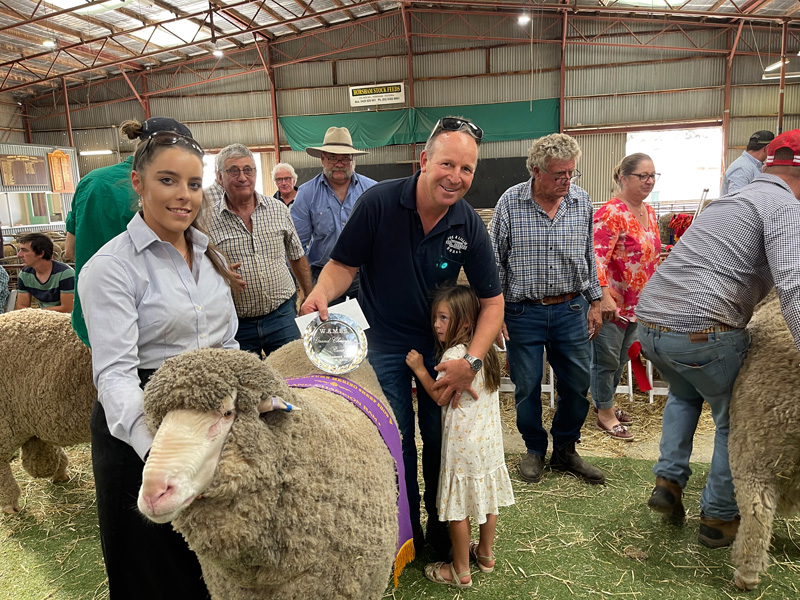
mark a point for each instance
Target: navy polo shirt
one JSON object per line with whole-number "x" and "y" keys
{"x": 401, "y": 267}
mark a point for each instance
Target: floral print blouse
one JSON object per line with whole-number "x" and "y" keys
{"x": 626, "y": 254}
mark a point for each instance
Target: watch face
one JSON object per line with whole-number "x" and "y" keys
{"x": 474, "y": 363}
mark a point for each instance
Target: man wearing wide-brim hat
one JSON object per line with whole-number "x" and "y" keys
{"x": 323, "y": 205}
{"x": 748, "y": 166}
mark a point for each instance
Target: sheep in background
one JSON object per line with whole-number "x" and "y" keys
{"x": 281, "y": 505}
{"x": 46, "y": 396}
{"x": 764, "y": 443}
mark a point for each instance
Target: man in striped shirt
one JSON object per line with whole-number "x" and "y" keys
{"x": 256, "y": 235}
{"x": 52, "y": 283}
{"x": 543, "y": 241}
{"x": 692, "y": 317}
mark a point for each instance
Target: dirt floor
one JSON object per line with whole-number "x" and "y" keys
{"x": 594, "y": 442}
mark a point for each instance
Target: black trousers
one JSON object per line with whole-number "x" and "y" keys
{"x": 144, "y": 560}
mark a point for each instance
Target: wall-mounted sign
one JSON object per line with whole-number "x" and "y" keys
{"x": 60, "y": 173}
{"x": 17, "y": 169}
{"x": 384, "y": 93}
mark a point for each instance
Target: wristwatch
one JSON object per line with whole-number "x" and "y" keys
{"x": 475, "y": 363}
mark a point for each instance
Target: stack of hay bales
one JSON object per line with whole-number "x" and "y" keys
{"x": 664, "y": 230}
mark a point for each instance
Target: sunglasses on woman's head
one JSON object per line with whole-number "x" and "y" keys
{"x": 170, "y": 138}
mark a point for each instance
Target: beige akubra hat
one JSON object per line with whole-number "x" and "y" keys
{"x": 337, "y": 141}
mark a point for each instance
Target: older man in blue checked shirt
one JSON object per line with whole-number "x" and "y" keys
{"x": 323, "y": 205}
{"x": 544, "y": 247}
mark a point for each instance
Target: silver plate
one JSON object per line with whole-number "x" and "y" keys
{"x": 336, "y": 346}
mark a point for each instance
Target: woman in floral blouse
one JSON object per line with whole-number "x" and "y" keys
{"x": 627, "y": 249}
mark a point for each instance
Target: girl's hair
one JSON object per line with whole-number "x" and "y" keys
{"x": 627, "y": 166}
{"x": 145, "y": 154}
{"x": 464, "y": 308}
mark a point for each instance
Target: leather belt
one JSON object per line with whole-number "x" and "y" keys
{"x": 694, "y": 336}
{"x": 554, "y": 299}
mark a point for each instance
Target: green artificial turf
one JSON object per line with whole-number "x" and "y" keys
{"x": 51, "y": 549}
{"x": 566, "y": 539}
{"x": 563, "y": 539}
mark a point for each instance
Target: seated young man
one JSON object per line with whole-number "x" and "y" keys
{"x": 52, "y": 283}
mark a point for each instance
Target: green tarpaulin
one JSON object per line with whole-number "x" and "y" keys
{"x": 500, "y": 122}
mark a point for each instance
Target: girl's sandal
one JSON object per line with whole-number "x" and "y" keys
{"x": 479, "y": 560}
{"x": 432, "y": 572}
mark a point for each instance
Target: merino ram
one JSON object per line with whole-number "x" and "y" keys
{"x": 764, "y": 441}
{"x": 275, "y": 505}
{"x": 46, "y": 396}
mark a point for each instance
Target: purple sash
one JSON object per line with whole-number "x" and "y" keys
{"x": 378, "y": 414}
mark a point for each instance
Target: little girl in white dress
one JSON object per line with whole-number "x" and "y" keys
{"x": 473, "y": 479}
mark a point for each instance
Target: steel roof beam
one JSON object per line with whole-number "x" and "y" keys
{"x": 175, "y": 49}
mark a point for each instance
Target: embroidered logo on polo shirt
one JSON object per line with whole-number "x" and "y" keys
{"x": 455, "y": 244}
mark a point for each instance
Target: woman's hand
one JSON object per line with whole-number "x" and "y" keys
{"x": 608, "y": 308}
{"x": 414, "y": 360}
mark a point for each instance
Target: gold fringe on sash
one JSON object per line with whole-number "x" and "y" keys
{"x": 404, "y": 556}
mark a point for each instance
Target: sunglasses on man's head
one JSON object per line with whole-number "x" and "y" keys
{"x": 170, "y": 138}
{"x": 456, "y": 124}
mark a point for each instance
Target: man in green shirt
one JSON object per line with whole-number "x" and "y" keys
{"x": 103, "y": 205}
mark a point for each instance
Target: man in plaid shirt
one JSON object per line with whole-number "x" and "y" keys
{"x": 692, "y": 317}
{"x": 257, "y": 236}
{"x": 544, "y": 247}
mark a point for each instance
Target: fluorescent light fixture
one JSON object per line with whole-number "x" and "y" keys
{"x": 95, "y": 152}
{"x": 217, "y": 52}
{"x": 776, "y": 65}
{"x": 774, "y": 76}
{"x": 523, "y": 19}
{"x": 49, "y": 43}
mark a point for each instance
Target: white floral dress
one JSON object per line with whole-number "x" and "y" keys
{"x": 473, "y": 478}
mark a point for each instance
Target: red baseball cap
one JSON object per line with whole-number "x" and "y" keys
{"x": 789, "y": 139}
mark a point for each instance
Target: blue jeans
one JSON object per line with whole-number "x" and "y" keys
{"x": 609, "y": 359}
{"x": 270, "y": 332}
{"x": 697, "y": 371}
{"x": 395, "y": 379}
{"x": 563, "y": 330}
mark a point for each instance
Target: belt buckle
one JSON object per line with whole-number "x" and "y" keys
{"x": 545, "y": 302}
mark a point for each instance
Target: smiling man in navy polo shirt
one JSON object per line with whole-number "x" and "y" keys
{"x": 409, "y": 236}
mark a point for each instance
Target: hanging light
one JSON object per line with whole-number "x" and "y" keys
{"x": 95, "y": 152}
{"x": 524, "y": 19}
{"x": 49, "y": 43}
{"x": 776, "y": 65}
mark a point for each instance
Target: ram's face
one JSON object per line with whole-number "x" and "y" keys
{"x": 183, "y": 459}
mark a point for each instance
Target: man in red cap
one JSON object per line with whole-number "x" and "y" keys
{"x": 692, "y": 318}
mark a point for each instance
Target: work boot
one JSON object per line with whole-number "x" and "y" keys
{"x": 531, "y": 467}
{"x": 666, "y": 498}
{"x": 567, "y": 459}
{"x": 716, "y": 533}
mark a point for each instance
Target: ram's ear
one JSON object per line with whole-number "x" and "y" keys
{"x": 258, "y": 383}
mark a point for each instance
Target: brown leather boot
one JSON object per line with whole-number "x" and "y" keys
{"x": 567, "y": 459}
{"x": 716, "y": 533}
{"x": 531, "y": 467}
{"x": 666, "y": 498}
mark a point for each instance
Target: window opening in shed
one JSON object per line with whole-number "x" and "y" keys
{"x": 689, "y": 162}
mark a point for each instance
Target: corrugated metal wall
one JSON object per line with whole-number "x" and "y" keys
{"x": 600, "y": 153}
{"x": 604, "y": 85}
